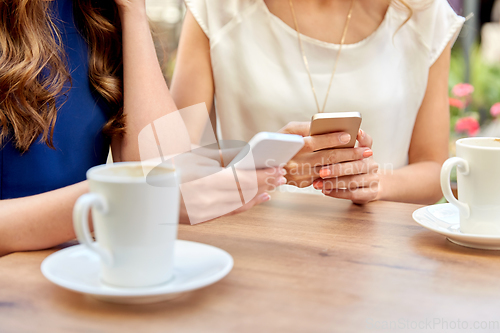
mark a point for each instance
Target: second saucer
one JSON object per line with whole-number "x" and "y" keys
{"x": 445, "y": 220}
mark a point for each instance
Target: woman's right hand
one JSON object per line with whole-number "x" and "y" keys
{"x": 304, "y": 167}
{"x": 210, "y": 191}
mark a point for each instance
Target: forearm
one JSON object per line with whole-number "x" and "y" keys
{"x": 193, "y": 82}
{"x": 415, "y": 183}
{"x": 419, "y": 181}
{"x": 146, "y": 95}
{"x": 39, "y": 221}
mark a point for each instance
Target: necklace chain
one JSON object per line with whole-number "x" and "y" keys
{"x": 306, "y": 63}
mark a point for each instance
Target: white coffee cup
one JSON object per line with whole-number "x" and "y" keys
{"x": 478, "y": 178}
{"x": 135, "y": 223}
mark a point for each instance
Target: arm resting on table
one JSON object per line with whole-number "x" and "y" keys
{"x": 419, "y": 181}
{"x": 44, "y": 220}
{"x": 39, "y": 221}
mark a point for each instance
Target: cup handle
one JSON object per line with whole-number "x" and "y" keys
{"x": 463, "y": 167}
{"x": 81, "y": 223}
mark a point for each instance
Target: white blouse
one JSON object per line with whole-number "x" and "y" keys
{"x": 261, "y": 83}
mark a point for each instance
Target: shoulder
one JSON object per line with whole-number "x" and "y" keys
{"x": 436, "y": 24}
{"x": 214, "y": 15}
{"x": 436, "y": 14}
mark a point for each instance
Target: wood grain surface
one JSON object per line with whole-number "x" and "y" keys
{"x": 303, "y": 263}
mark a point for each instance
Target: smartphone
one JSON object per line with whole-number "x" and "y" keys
{"x": 349, "y": 122}
{"x": 268, "y": 150}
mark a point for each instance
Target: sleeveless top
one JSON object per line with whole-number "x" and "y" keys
{"x": 78, "y": 139}
{"x": 261, "y": 82}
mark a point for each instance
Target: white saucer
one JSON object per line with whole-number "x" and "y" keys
{"x": 195, "y": 266}
{"x": 445, "y": 220}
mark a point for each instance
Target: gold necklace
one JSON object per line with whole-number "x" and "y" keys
{"x": 346, "y": 26}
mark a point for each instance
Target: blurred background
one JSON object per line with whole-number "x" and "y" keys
{"x": 474, "y": 84}
{"x": 166, "y": 18}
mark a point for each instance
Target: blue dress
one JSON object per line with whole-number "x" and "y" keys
{"x": 78, "y": 137}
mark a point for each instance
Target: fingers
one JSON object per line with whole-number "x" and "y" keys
{"x": 269, "y": 179}
{"x": 363, "y": 166}
{"x": 346, "y": 182}
{"x": 300, "y": 181}
{"x": 303, "y": 174}
{"x": 263, "y": 197}
{"x": 360, "y": 189}
{"x": 358, "y": 196}
{"x": 296, "y": 127}
{"x": 334, "y": 156}
{"x": 317, "y": 152}
{"x": 262, "y": 180}
{"x": 325, "y": 141}
{"x": 364, "y": 140}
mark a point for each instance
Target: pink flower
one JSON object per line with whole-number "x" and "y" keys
{"x": 467, "y": 125}
{"x": 462, "y": 90}
{"x": 456, "y": 103}
{"x": 495, "y": 109}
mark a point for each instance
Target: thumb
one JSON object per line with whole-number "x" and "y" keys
{"x": 296, "y": 127}
{"x": 364, "y": 139}
{"x": 254, "y": 202}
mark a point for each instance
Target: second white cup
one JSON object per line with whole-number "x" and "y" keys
{"x": 478, "y": 178}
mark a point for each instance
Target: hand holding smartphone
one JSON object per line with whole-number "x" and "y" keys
{"x": 269, "y": 150}
{"x": 322, "y": 138}
{"x": 348, "y": 122}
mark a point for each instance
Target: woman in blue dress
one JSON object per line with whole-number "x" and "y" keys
{"x": 76, "y": 77}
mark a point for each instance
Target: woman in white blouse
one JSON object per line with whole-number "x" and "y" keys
{"x": 393, "y": 69}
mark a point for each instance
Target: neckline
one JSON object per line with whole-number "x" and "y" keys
{"x": 312, "y": 40}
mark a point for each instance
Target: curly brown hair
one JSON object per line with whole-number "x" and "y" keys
{"x": 33, "y": 69}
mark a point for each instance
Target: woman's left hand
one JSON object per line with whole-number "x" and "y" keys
{"x": 356, "y": 181}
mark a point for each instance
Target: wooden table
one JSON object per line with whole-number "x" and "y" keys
{"x": 303, "y": 263}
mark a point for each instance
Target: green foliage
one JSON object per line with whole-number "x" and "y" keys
{"x": 485, "y": 78}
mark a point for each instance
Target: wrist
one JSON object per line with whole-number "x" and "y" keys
{"x": 380, "y": 192}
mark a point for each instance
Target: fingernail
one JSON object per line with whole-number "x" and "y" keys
{"x": 325, "y": 173}
{"x": 362, "y": 133}
{"x": 367, "y": 153}
{"x": 282, "y": 181}
{"x": 283, "y": 172}
{"x": 318, "y": 184}
{"x": 265, "y": 197}
{"x": 345, "y": 138}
